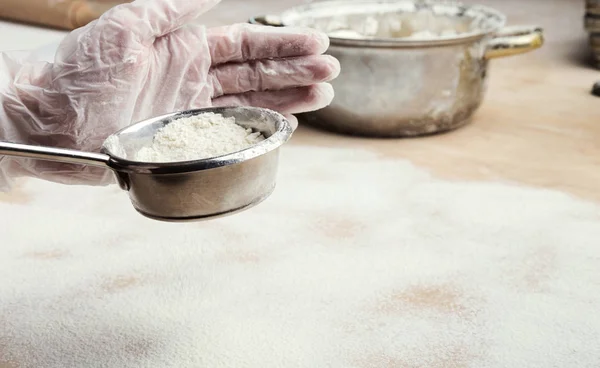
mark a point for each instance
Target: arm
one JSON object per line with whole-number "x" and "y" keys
{"x": 145, "y": 59}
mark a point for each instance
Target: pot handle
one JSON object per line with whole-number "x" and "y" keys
{"x": 266, "y": 20}
{"x": 515, "y": 40}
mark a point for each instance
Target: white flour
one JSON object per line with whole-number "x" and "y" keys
{"x": 354, "y": 262}
{"x": 387, "y": 28}
{"x": 429, "y": 35}
{"x": 198, "y": 137}
{"x": 425, "y": 24}
{"x": 420, "y": 35}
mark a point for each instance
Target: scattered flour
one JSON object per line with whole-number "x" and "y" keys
{"x": 398, "y": 269}
{"x": 198, "y": 137}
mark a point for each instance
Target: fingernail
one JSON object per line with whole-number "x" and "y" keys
{"x": 323, "y": 39}
{"x": 326, "y": 90}
{"x": 336, "y": 67}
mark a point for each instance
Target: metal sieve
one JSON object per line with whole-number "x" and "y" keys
{"x": 190, "y": 190}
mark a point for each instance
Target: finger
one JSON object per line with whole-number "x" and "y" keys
{"x": 242, "y": 42}
{"x": 289, "y": 101}
{"x": 264, "y": 75}
{"x": 183, "y": 83}
{"x": 150, "y": 19}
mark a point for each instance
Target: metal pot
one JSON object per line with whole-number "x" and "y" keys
{"x": 393, "y": 84}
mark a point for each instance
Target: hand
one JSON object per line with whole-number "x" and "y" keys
{"x": 145, "y": 59}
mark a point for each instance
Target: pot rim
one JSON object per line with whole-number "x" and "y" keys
{"x": 496, "y": 21}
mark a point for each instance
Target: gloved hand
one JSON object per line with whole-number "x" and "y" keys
{"x": 145, "y": 59}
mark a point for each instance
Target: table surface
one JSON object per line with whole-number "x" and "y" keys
{"x": 538, "y": 126}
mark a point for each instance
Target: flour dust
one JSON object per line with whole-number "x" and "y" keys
{"x": 354, "y": 262}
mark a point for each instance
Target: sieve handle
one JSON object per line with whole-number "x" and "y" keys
{"x": 54, "y": 154}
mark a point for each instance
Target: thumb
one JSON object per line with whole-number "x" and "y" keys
{"x": 149, "y": 19}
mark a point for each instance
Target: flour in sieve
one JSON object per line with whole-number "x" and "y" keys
{"x": 198, "y": 137}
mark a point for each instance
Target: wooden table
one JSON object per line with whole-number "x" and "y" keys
{"x": 538, "y": 125}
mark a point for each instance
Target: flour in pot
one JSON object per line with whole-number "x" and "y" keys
{"x": 198, "y": 137}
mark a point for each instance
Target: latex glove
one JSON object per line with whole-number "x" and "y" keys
{"x": 145, "y": 59}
